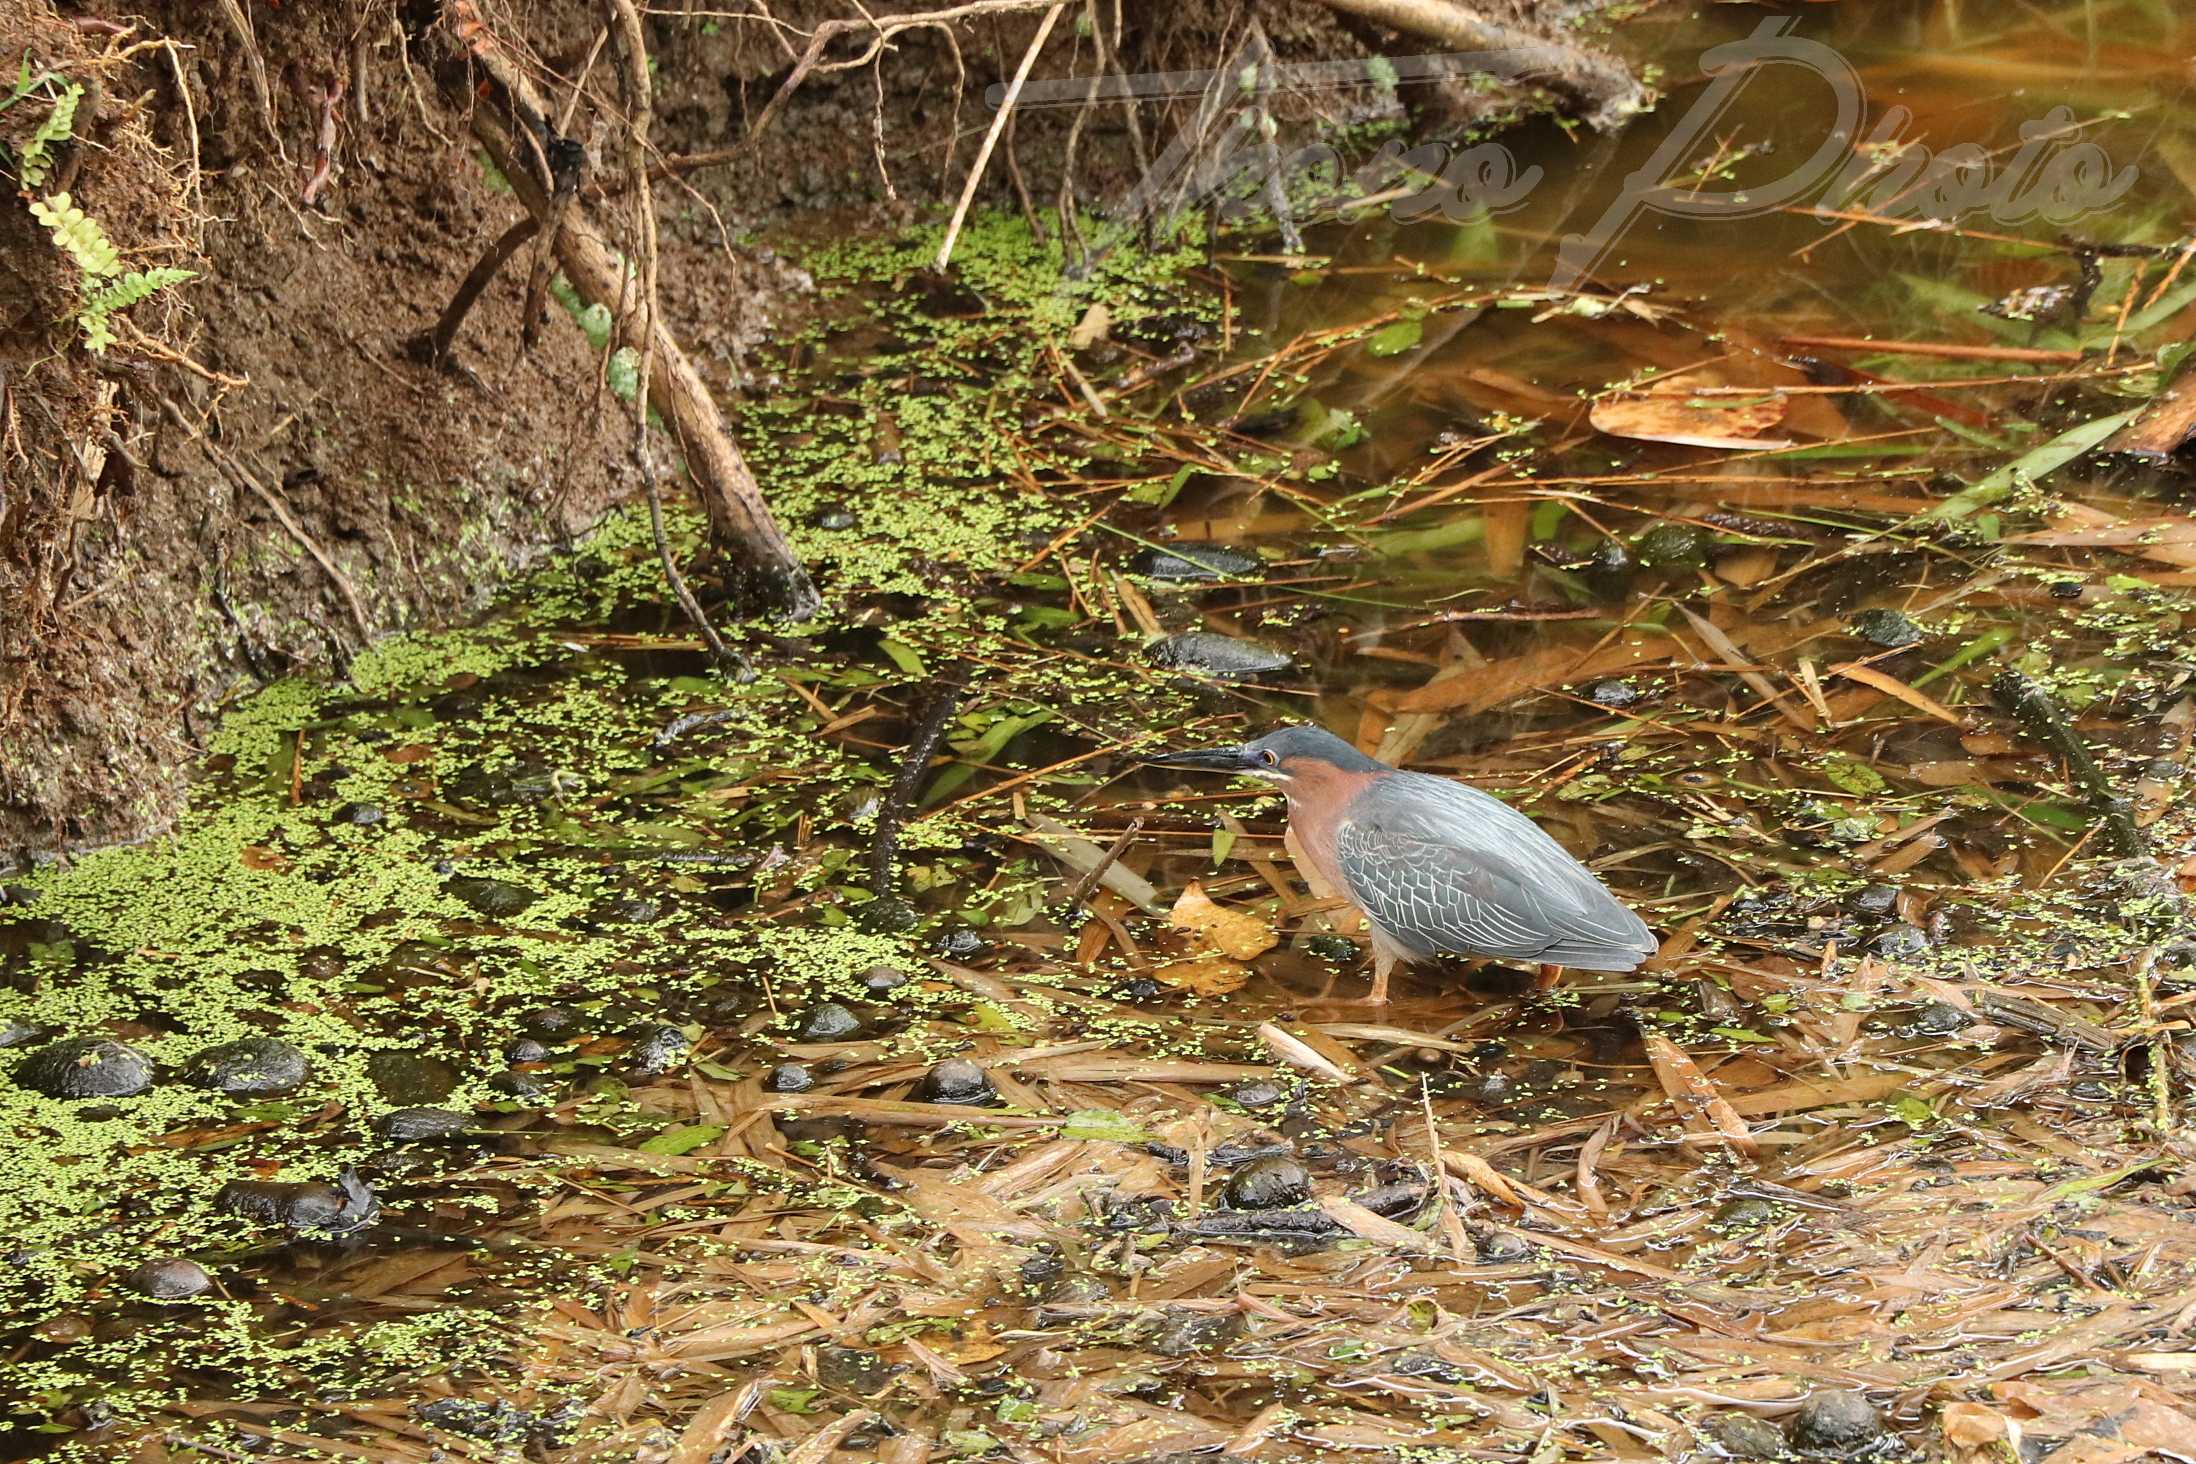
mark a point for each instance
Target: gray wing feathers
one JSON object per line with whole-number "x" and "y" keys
{"x": 1446, "y": 868}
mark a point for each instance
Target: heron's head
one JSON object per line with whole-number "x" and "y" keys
{"x": 1280, "y": 757}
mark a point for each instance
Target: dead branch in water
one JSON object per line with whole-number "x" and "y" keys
{"x": 764, "y": 572}
{"x": 1603, "y": 86}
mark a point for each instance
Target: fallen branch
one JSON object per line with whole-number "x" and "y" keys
{"x": 1604, "y": 87}
{"x": 991, "y": 138}
{"x": 764, "y": 573}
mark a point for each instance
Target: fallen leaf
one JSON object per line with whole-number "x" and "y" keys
{"x": 1091, "y": 329}
{"x": 1235, "y": 933}
{"x": 257, "y": 857}
{"x": 1675, "y": 410}
{"x": 1205, "y": 975}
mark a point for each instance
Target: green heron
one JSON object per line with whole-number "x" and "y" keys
{"x": 1437, "y": 867}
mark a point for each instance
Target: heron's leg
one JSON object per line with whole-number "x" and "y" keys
{"x": 1383, "y": 965}
{"x": 1548, "y": 977}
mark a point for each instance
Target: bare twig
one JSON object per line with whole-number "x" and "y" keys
{"x": 991, "y": 138}
{"x": 433, "y": 346}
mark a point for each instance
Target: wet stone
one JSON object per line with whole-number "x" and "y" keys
{"x": 835, "y": 519}
{"x": 1502, "y": 1247}
{"x": 1873, "y": 901}
{"x": 1078, "y": 1288}
{"x": 657, "y": 1048}
{"x": 886, "y": 915}
{"x": 1337, "y": 949}
{"x": 1672, "y": 546}
{"x": 1838, "y": 1424}
{"x": 830, "y": 1022}
{"x": 1903, "y": 942}
{"x": 1615, "y": 694}
{"x": 852, "y": 1370}
{"x": 1745, "y": 1214}
{"x": 18, "y": 1034}
{"x": 518, "y": 1084}
{"x": 962, "y": 944}
{"x": 1743, "y": 1436}
{"x": 633, "y": 910}
{"x": 410, "y": 1077}
{"x": 878, "y": 980}
{"x": 1182, "y": 1332}
{"x": 254, "y": 1067}
{"x": 957, "y": 1080}
{"x": 551, "y": 1024}
{"x": 789, "y": 1077}
{"x": 1274, "y": 1183}
{"x": 1257, "y": 1093}
{"x": 525, "y": 1049}
{"x": 1891, "y": 629}
{"x": 496, "y": 898}
{"x": 1041, "y": 1268}
{"x": 336, "y": 1209}
{"x": 85, "y": 1067}
{"x": 1223, "y": 657}
{"x": 171, "y": 1278}
{"x": 1939, "y": 1019}
{"x": 423, "y": 1125}
{"x": 1190, "y": 565}
{"x": 360, "y": 815}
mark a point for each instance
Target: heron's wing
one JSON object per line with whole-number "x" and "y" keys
{"x": 1445, "y": 868}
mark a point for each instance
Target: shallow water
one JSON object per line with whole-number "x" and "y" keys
{"x": 1900, "y": 1107}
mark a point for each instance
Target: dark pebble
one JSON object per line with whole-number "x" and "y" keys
{"x": 835, "y": 518}
{"x": 886, "y": 915}
{"x": 422, "y": 1125}
{"x": 789, "y": 1077}
{"x": 1502, "y": 1247}
{"x": 1222, "y": 657}
{"x": 633, "y": 910}
{"x": 410, "y": 1077}
{"x": 1257, "y": 1093}
{"x": 1744, "y": 1214}
{"x": 852, "y": 1369}
{"x": 1615, "y": 695}
{"x": 1891, "y": 629}
{"x": 1494, "y": 1088}
{"x": 551, "y": 1024}
{"x": 18, "y": 1034}
{"x": 85, "y": 1067}
{"x": 337, "y": 1209}
{"x": 1837, "y": 1423}
{"x": 657, "y": 1048}
{"x": 878, "y": 980}
{"x": 1338, "y": 950}
{"x": 1182, "y": 1332}
{"x": 518, "y": 1084}
{"x": 360, "y": 815}
{"x": 254, "y": 1067}
{"x": 1205, "y": 562}
{"x": 15, "y": 894}
{"x": 962, "y": 944}
{"x": 1902, "y": 942}
{"x": 1139, "y": 989}
{"x": 957, "y": 1080}
{"x": 496, "y": 898}
{"x": 1269, "y": 1184}
{"x": 171, "y": 1278}
{"x": 830, "y": 1022}
{"x": 1875, "y": 902}
{"x": 1939, "y": 1019}
{"x": 1743, "y": 1436}
{"x": 525, "y": 1049}
{"x": 1672, "y": 546}
{"x": 1041, "y": 1268}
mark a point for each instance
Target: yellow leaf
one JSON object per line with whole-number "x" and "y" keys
{"x": 1233, "y": 933}
{"x": 1205, "y": 975}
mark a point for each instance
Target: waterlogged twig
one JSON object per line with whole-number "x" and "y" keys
{"x": 884, "y": 852}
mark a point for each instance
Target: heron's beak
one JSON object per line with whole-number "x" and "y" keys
{"x": 1208, "y": 760}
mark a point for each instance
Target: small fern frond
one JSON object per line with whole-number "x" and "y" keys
{"x": 78, "y": 235}
{"x": 121, "y": 295}
{"x": 37, "y": 157}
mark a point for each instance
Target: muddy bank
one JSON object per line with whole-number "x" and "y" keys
{"x": 306, "y": 164}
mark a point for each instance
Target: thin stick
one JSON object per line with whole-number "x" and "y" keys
{"x": 1089, "y": 881}
{"x": 991, "y": 138}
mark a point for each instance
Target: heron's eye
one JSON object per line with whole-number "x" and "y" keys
{"x": 1269, "y": 758}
